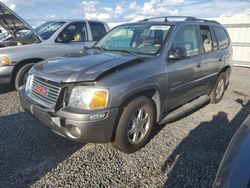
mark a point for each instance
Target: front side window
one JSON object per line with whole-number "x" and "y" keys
{"x": 186, "y": 41}
{"x": 221, "y": 37}
{"x": 206, "y": 37}
{"x": 47, "y": 29}
{"x": 98, "y": 30}
{"x": 75, "y": 32}
{"x": 141, "y": 39}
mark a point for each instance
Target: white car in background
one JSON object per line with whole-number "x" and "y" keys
{"x": 20, "y": 52}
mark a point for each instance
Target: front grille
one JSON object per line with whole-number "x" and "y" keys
{"x": 44, "y": 92}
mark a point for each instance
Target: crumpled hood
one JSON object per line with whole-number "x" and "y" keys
{"x": 83, "y": 68}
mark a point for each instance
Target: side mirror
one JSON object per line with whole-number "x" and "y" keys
{"x": 63, "y": 38}
{"x": 178, "y": 53}
{"x": 85, "y": 48}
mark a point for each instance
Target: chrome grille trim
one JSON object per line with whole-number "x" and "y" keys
{"x": 48, "y": 101}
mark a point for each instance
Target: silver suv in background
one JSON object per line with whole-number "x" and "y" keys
{"x": 54, "y": 38}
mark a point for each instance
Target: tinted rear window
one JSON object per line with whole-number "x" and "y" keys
{"x": 222, "y": 37}
{"x": 98, "y": 30}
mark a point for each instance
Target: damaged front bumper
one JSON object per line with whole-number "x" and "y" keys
{"x": 94, "y": 127}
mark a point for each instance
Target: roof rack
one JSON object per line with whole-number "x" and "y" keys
{"x": 185, "y": 18}
{"x": 203, "y": 20}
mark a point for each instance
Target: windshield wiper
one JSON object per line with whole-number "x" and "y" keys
{"x": 98, "y": 48}
{"x": 118, "y": 50}
{"x": 125, "y": 51}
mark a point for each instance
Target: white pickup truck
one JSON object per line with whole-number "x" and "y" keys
{"x": 19, "y": 52}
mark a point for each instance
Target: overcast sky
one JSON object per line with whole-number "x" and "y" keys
{"x": 124, "y": 11}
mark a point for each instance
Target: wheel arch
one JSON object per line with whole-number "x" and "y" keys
{"x": 152, "y": 93}
{"x": 227, "y": 71}
{"x": 22, "y": 63}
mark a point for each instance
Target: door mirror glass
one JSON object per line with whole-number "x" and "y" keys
{"x": 63, "y": 38}
{"x": 85, "y": 48}
{"x": 178, "y": 53}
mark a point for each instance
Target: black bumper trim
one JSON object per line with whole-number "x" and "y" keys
{"x": 100, "y": 131}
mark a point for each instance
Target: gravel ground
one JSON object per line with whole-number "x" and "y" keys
{"x": 185, "y": 153}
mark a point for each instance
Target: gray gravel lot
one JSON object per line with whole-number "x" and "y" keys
{"x": 185, "y": 153}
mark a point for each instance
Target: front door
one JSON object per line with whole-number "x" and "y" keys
{"x": 75, "y": 35}
{"x": 183, "y": 85}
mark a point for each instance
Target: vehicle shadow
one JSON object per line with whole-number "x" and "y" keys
{"x": 6, "y": 88}
{"x": 28, "y": 150}
{"x": 189, "y": 164}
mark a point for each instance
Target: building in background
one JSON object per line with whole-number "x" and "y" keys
{"x": 238, "y": 27}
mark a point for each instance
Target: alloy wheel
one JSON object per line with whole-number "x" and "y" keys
{"x": 220, "y": 89}
{"x": 138, "y": 126}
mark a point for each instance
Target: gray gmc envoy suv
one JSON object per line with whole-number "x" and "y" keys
{"x": 139, "y": 75}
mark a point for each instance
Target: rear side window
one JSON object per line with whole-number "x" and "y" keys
{"x": 222, "y": 37}
{"x": 98, "y": 30}
{"x": 187, "y": 40}
{"x": 206, "y": 37}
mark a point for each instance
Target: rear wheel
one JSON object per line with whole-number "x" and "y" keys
{"x": 135, "y": 125}
{"x": 21, "y": 75}
{"x": 219, "y": 89}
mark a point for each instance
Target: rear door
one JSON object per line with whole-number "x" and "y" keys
{"x": 182, "y": 77}
{"x": 213, "y": 58}
{"x": 207, "y": 70}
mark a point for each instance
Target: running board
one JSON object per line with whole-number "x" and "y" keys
{"x": 185, "y": 109}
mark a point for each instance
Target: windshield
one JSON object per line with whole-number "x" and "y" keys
{"x": 47, "y": 29}
{"x": 140, "y": 39}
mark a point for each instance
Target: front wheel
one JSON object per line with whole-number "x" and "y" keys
{"x": 21, "y": 75}
{"x": 135, "y": 125}
{"x": 219, "y": 89}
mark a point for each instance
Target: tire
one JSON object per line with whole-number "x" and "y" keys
{"x": 134, "y": 133}
{"x": 21, "y": 75}
{"x": 218, "y": 90}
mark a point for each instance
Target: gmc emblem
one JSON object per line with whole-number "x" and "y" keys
{"x": 41, "y": 90}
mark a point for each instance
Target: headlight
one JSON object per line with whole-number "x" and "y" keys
{"x": 4, "y": 60}
{"x": 88, "y": 98}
